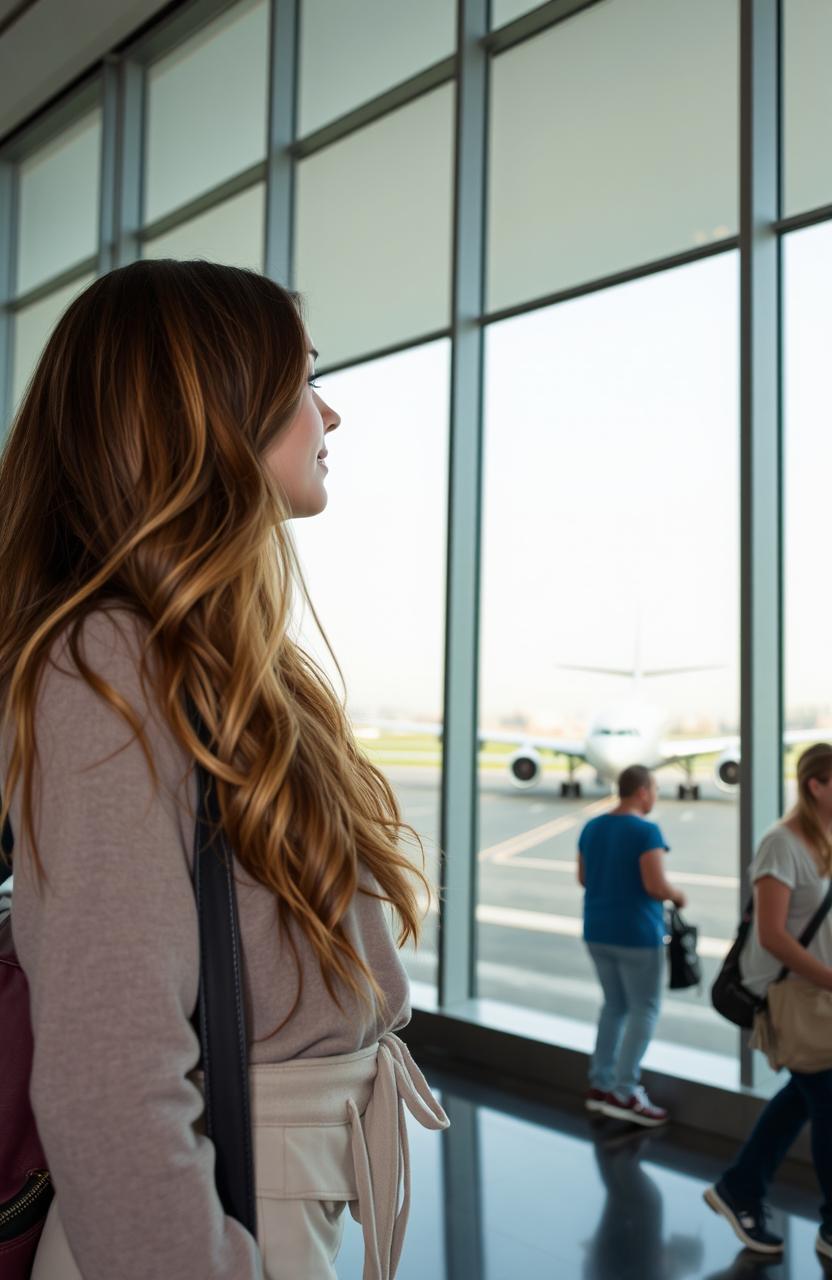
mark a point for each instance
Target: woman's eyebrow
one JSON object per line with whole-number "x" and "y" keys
{"x": 313, "y": 353}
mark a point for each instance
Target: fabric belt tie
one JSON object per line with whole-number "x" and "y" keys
{"x": 381, "y": 1153}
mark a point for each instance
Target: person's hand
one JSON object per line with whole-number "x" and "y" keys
{"x": 679, "y": 899}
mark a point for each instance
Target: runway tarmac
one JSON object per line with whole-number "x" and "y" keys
{"x": 530, "y": 951}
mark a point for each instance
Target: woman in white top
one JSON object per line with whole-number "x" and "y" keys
{"x": 791, "y": 877}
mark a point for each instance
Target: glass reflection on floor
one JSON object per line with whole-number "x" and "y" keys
{"x": 517, "y": 1189}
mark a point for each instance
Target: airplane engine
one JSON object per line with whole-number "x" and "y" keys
{"x": 525, "y": 768}
{"x": 727, "y": 772}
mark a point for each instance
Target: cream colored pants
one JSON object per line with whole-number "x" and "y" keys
{"x": 327, "y": 1131}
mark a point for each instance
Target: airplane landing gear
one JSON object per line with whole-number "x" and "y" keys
{"x": 570, "y": 789}
{"x": 688, "y": 790}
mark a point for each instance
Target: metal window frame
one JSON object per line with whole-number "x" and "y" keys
{"x": 459, "y": 823}
{"x": 120, "y": 84}
{"x": 284, "y": 60}
{"x": 761, "y": 444}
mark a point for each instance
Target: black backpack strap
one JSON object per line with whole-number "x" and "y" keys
{"x": 812, "y": 927}
{"x": 220, "y": 1008}
{"x": 6, "y": 841}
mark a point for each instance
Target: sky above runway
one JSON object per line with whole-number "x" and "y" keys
{"x": 610, "y": 495}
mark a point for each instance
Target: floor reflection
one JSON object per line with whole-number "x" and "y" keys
{"x": 518, "y": 1190}
{"x": 629, "y": 1242}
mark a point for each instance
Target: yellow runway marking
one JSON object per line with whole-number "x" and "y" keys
{"x": 506, "y": 850}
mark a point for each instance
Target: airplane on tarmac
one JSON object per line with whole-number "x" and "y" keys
{"x": 629, "y": 731}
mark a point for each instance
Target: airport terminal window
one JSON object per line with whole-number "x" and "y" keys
{"x": 807, "y": 259}
{"x": 633, "y": 153}
{"x": 351, "y": 53}
{"x": 231, "y": 232}
{"x": 632, "y": 157}
{"x": 375, "y": 564}
{"x": 32, "y": 327}
{"x": 206, "y": 109}
{"x": 58, "y": 204}
{"x": 373, "y": 231}
{"x": 610, "y": 526}
{"x": 503, "y": 11}
{"x": 807, "y": 104}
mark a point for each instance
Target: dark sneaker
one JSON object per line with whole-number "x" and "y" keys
{"x": 594, "y": 1097}
{"x": 823, "y": 1241}
{"x": 749, "y": 1224}
{"x": 637, "y": 1108}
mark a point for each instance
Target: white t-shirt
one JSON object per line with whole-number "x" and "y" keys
{"x": 784, "y": 856}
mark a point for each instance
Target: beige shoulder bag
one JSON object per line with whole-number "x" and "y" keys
{"x": 794, "y": 1026}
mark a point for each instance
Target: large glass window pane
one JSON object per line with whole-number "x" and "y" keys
{"x": 808, "y": 460}
{"x": 58, "y": 212}
{"x": 613, "y": 142}
{"x": 373, "y": 235}
{"x": 206, "y": 109}
{"x": 503, "y": 11}
{"x": 807, "y": 102}
{"x": 350, "y": 53}
{"x": 375, "y": 566}
{"x": 231, "y": 232}
{"x": 32, "y": 327}
{"x": 610, "y": 543}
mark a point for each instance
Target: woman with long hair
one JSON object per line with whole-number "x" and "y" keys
{"x": 791, "y": 874}
{"x": 171, "y": 428}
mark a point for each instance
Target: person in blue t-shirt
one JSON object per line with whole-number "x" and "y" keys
{"x": 621, "y": 866}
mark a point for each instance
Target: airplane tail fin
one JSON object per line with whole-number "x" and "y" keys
{"x": 637, "y": 672}
{"x": 598, "y": 671}
{"x": 634, "y": 672}
{"x": 684, "y": 671}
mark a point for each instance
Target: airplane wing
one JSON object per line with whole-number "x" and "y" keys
{"x": 794, "y": 737}
{"x": 685, "y": 748}
{"x": 516, "y": 737}
{"x": 513, "y": 737}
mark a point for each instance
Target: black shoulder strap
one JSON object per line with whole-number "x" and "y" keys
{"x": 220, "y": 1009}
{"x": 6, "y": 843}
{"x": 812, "y": 927}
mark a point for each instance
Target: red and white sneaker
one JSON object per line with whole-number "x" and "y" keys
{"x": 637, "y": 1108}
{"x": 594, "y": 1098}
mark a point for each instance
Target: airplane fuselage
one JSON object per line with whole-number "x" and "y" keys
{"x": 624, "y": 734}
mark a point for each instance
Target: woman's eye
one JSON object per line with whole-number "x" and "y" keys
{"x": 313, "y": 382}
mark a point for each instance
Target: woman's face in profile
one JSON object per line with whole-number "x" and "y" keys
{"x": 296, "y": 458}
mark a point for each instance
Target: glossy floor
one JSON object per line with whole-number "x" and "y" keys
{"x": 519, "y": 1191}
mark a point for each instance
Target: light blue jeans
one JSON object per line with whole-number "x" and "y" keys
{"x": 631, "y": 979}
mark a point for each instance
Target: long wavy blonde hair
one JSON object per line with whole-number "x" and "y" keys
{"x": 815, "y": 762}
{"x": 133, "y": 474}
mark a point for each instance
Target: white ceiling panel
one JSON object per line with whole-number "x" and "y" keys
{"x": 53, "y": 41}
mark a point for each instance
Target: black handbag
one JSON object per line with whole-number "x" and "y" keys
{"x": 729, "y": 996}
{"x": 219, "y": 1021}
{"x": 683, "y": 963}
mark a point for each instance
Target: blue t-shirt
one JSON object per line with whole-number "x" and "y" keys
{"x": 617, "y": 907}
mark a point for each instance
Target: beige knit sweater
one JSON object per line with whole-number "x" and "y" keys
{"x": 110, "y": 949}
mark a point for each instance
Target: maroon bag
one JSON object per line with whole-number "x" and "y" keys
{"x": 25, "y": 1185}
